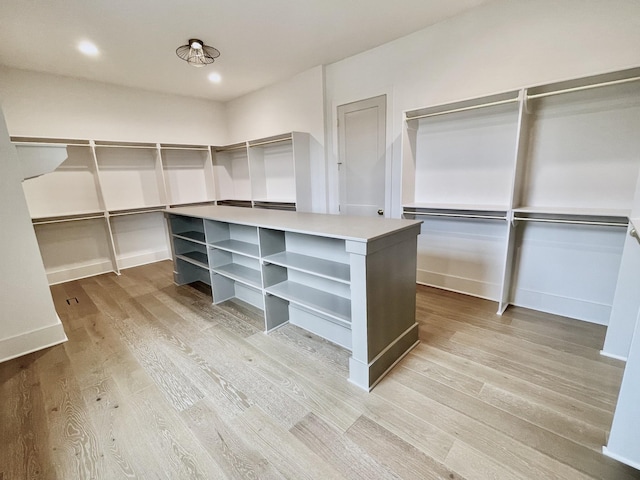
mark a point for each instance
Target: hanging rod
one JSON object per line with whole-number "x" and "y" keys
{"x": 455, "y": 215}
{"x": 231, "y": 148}
{"x": 269, "y": 142}
{"x": 64, "y": 220}
{"x": 464, "y": 109}
{"x": 141, "y": 147}
{"x": 137, "y": 211}
{"x": 584, "y": 87}
{"x": 571, "y": 222}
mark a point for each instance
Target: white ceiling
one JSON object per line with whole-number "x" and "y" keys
{"x": 262, "y": 41}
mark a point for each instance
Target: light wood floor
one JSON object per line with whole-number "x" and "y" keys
{"x": 156, "y": 383}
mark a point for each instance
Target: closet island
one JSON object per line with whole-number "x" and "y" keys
{"x": 350, "y": 280}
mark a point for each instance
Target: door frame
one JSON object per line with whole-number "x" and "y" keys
{"x": 390, "y": 153}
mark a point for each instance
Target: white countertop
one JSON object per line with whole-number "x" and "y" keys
{"x": 362, "y": 229}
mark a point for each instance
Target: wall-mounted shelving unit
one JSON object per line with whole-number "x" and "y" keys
{"x": 116, "y": 192}
{"x": 525, "y": 194}
{"x": 349, "y": 280}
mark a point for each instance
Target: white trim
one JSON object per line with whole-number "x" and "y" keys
{"x": 613, "y": 355}
{"x": 32, "y": 341}
{"x": 620, "y": 458}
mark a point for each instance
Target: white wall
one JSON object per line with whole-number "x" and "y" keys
{"x": 296, "y": 104}
{"x": 44, "y": 105}
{"x": 28, "y": 320}
{"x": 496, "y": 47}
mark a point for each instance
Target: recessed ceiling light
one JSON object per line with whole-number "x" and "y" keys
{"x": 88, "y": 48}
{"x": 215, "y": 77}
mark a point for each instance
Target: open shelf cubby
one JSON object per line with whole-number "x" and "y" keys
{"x": 130, "y": 175}
{"x": 72, "y": 189}
{"x": 188, "y": 174}
{"x": 231, "y": 173}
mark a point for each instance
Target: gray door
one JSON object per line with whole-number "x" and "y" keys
{"x": 362, "y": 156}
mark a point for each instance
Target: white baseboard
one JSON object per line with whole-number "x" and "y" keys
{"x": 82, "y": 271}
{"x": 620, "y": 458}
{"x": 569, "y": 307}
{"x": 613, "y": 355}
{"x": 144, "y": 258}
{"x": 32, "y": 341}
{"x": 468, "y": 286}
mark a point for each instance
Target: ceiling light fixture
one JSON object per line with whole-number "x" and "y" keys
{"x": 88, "y": 48}
{"x": 197, "y": 54}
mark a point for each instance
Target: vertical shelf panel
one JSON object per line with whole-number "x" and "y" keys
{"x": 74, "y": 249}
{"x": 140, "y": 239}
{"x": 131, "y": 177}
{"x": 69, "y": 190}
{"x": 187, "y": 175}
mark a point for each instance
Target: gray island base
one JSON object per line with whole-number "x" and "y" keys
{"x": 350, "y": 280}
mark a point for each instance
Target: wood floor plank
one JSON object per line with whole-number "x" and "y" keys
{"x": 297, "y": 383}
{"x": 174, "y": 444}
{"x": 545, "y": 441}
{"x": 21, "y": 408}
{"x": 577, "y": 369}
{"x": 283, "y": 450}
{"x": 577, "y": 431}
{"x": 500, "y": 363}
{"x": 120, "y": 438}
{"x": 558, "y": 402}
{"x": 474, "y": 465}
{"x": 155, "y": 382}
{"x": 339, "y": 451}
{"x": 74, "y": 442}
{"x": 397, "y": 455}
{"x": 236, "y": 455}
{"x": 504, "y": 449}
{"x": 411, "y": 429}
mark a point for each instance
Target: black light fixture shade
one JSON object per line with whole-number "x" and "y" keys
{"x": 197, "y": 54}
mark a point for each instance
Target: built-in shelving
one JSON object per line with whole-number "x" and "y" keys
{"x": 69, "y": 180}
{"x": 524, "y": 194}
{"x": 280, "y": 263}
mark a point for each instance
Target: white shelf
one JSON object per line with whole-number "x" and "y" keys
{"x": 594, "y": 212}
{"x": 477, "y": 207}
{"x": 339, "y": 272}
{"x": 197, "y": 237}
{"x": 240, "y": 273}
{"x": 237, "y": 246}
{"x": 333, "y": 306}
{"x": 197, "y": 258}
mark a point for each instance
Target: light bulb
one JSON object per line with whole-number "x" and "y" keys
{"x": 88, "y": 48}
